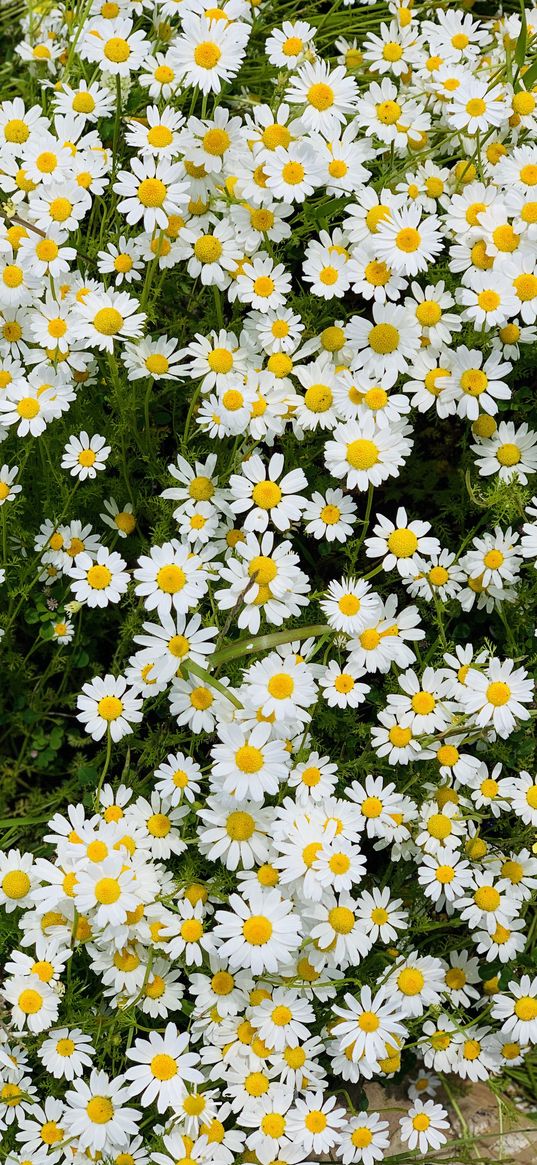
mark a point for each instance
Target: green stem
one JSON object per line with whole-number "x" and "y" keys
{"x": 249, "y": 646}
{"x": 104, "y": 769}
{"x": 218, "y": 306}
{"x": 210, "y": 680}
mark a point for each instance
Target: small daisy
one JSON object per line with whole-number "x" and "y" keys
{"x": 108, "y": 705}
{"x": 498, "y": 695}
{"x": 84, "y": 455}
{"x": 8, "y": 490}
{"x": 423, "y": 1127}
{"x": 330, "y": 515}
{"x": 66, "y": 1052}
{"x": 122, "y": 522}
{"x": 397, "y": 542}
{"x": 99, "y": 579}
{"x": 341, "y": 687}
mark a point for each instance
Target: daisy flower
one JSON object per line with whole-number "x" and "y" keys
{"x": 330, "y": 515}
{"x": 170, "y": 577}
{"x": 152, "y": 190}
{"x": 234, "y": 832}
{"x": 34, "y": 1004}
{"x": 107, "y": 316}
{"x": 340, "y": 685}
{"x": 122, "y": 522}
{"x": 366, "y": 454}
{"x": 349, "y": 605}
{"x": 286, "y": 46}
{"x": 209, "y": 52}
{"x": 292, "y": 172}
{"x": 510, "y": 451}
{"x": 364, "y": 1139}
{"x": 397, "y": 542}
{"x": 498, "y": 695}
{"x": 8, "y": 490}
{"x": 325, "y": 95}
{"x": 262, "y": 283}
{"x": 66, "y": 1052}
{"x": 108, "y": 705}
{"x": 96, "y": 1115}
{"x": 122, "y": 260}
{"x": 407, "y": 241}
{"x": 380, "y": 915}
{"x": 476, "y": 107}
{"x": 17, "y": 879}
{"x": 367, "y": 1024}
{"x": 423, "y": 1126}
{"x": 114, "y": 46}
{"x": 108, "y": 889}
{"x": 99, "y": 579}
{"x": 315, "y": 1122}
{"x": 444, "y": 876}
{"x": 248, "y": 764}
{"x": 266, "y": 495}
{"x": 84, "y": 455}
{"x": 257, "y": 933}
{"x": 385, "y": 346}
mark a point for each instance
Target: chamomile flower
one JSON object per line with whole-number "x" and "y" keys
{"x": 66, "y": 1052}
{"x": 84, "y": 455}
{"x": 96, "y": 1114}
{"x": 423, "y": 1127}
{"x": 510, "y": 452}
{"x": 498, "y": 695}
{"x": 8, "y": 487}
{"x": 341, "y": 687}
{"x": 257, "y": 933}
{"x": 330, "y": 515}
{"x": 397, "y": 542}
{"x": 107, "y": 705}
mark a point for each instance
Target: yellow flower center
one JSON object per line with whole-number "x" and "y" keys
{"x": 171, "y": 579}
{"x": 526, "y": 1008}
{"x": 99, "y": 577}
{"x": 423, "y": 703}
{"x": 266, "y": 494}
{"x": 117, "y": 50}
{"x": 257, "y": 930}
{"x": 318, "y": 398}
{"x": 476, "y": 106}
{"x": 249, "y": 759}
{"x": 240, "y": 826}
{"x": 410, "y": 981}
{"x": 498, "y": 694}
{"x": 207, "y": 54}
{"x": 110, "y": 707}
{"x": 383, "y": 338}
{"x": 487, "y": 899}
{"x": 163, "y": 1067}
{"x": 341, "y": 919}
{"x": 407, "y": 240}
{"x": 388, "y": 112}
{"x": 293, "y": 173}
{"x": 321, "y": 96}
{"x": 107, "y": 891}
{"x": 362, "y": 454}
{"x": 16, "y": 884}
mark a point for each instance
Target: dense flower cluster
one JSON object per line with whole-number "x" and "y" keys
{"x": 248, "y": 930}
